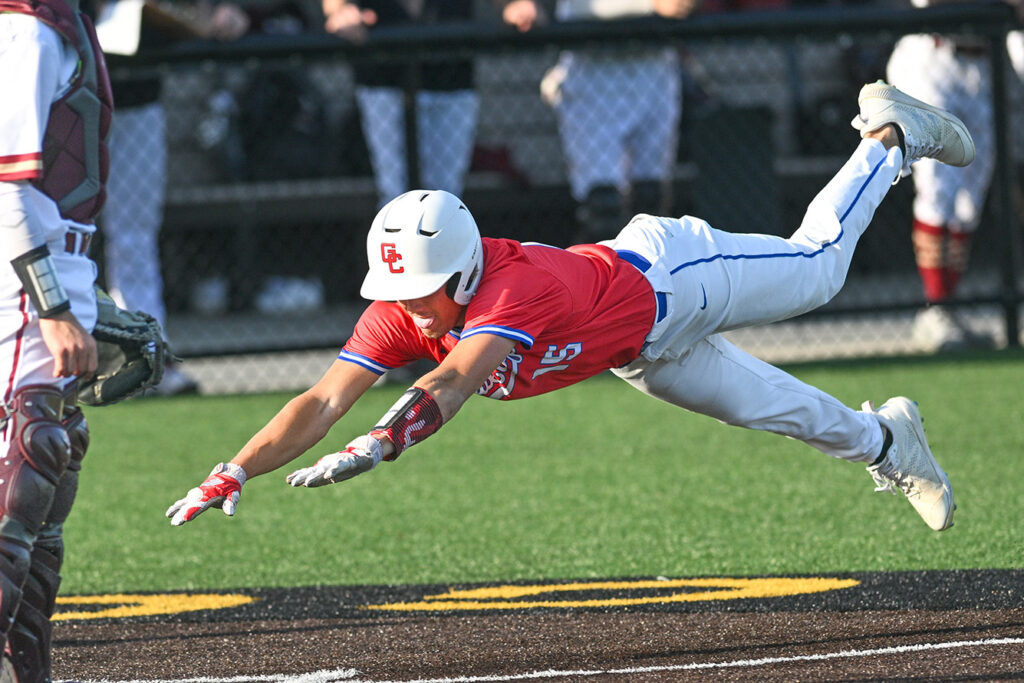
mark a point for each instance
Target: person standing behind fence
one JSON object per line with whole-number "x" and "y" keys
{"x": 136, "y": 190}
{"x": 446, "y": 102}
{"x": 618, "y": 110}
{"x": 954, "y": 72}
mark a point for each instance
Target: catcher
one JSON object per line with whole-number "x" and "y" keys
{"x": 509, "y": 320}
{"x": 53, "y": 79}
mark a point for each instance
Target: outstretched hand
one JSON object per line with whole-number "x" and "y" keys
{"x": 221, "y": 489}
{"x": 360, "y": 455}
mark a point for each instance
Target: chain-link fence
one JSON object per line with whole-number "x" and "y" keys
{"x": 279, "y": 151}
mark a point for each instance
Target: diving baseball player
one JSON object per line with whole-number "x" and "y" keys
{"x": 509, "y": 320}
{"x": 54, "y": 116}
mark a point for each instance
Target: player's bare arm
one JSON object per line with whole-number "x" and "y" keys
{"x": 432, "y": 242}
{"x": 458, "y": 377}
{"x": 299, "y": 426}
{"x": 305, "y": 420}
{"x": 464, "y": 370}
{"x": 418, "y": 413}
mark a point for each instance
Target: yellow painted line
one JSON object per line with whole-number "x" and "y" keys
{"x": 132, "y": 605}
{"x": 505, "y": 597}
{"x": 510, "y": 597}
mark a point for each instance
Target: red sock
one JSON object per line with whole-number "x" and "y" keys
{"x": 941, "y": 256}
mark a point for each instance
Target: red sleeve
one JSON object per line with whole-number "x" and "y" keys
{"x": 384, "y": 339}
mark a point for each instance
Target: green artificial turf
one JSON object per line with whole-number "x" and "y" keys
{"x": 597, "y": 480}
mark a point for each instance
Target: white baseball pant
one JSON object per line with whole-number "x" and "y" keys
{"x": 711, "y": 281}
{"x": 24, "y": 357}
{"x": 1015, "y": 47}
{"x": 446, "y": 129}
{"x": 134, "y": 211}
{"x": 927, "y": 67}
{"x": 618, "y": 117}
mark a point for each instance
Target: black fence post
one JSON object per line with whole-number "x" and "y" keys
{"x": 410, "y": 90}
{"x": 1003, "y": 204}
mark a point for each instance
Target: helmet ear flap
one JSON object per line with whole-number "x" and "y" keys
{"x": 451, "y": 288}
{"x": 460, "y": 287}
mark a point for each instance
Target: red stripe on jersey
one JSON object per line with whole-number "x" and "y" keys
{"x": 21, "y": 166}
{"x": 18, "y": 344}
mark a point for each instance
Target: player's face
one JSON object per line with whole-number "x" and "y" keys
{"x": 434, "y": 315}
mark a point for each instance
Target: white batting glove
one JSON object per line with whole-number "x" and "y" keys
{"x": 221, "y": 489}
{"x": 361, "y": 454}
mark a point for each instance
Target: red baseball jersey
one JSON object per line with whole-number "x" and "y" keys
{"x": 573, "y": 313}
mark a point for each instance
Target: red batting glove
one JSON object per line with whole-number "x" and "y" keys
{"x": 221, "y": 489}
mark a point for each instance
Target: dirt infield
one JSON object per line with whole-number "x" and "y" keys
{"x": 962, "y": 625}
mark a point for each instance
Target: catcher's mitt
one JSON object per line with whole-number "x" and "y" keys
{"x": 132, "y": 354}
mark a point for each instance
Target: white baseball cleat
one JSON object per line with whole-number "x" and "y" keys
{"x": 928, "y": 132}
{"x": 909, "y": 465}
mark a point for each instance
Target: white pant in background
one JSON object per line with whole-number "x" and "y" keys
{"x": 134, "y": 210}
{"x": 618, "y": 117}
{"x": 930, "y": 69}
{"x": 1015, "y": 46}
{"x": 445, "y": 128}
{"x": 713, "y": 281}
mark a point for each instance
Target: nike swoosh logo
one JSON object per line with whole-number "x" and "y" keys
{"x": 705, "y": 304}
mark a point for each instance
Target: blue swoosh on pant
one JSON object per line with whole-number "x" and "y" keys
{"x": 705, "y": 304}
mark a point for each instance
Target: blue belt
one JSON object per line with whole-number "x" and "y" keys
{"x": 643, "y": 265}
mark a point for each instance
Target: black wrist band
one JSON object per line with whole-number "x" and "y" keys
{"x": 38, "y": 276}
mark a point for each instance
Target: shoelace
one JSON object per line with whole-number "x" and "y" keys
{"x": 888, "y": 476}
{"x": 916, "y": 150}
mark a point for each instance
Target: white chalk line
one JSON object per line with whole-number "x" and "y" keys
{"x": 350, "y": 675}
{"x": 315, "y": 677}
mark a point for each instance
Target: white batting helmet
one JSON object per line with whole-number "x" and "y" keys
{"x": 420, "y": 241}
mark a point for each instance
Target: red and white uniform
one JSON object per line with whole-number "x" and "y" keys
{"x": 953, "y": 74}
{"x": 650, "y": 305}
{"x": 573, "y": 313}
{"x": 37, "y": 67}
